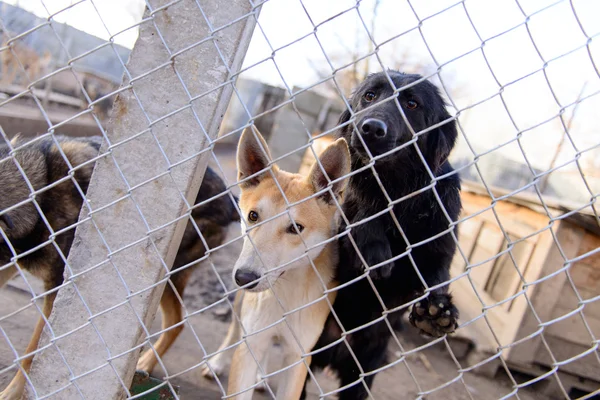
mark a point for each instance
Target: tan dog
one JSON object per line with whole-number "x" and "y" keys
{"x": 286, "y": 263}
{"x": 22, "y": 58}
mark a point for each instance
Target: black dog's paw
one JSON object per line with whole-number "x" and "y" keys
{"x": 435, "y": 315}
{"x": 375, "y": 253}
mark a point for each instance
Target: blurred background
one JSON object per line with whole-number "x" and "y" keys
{"x": 506, "y": 78}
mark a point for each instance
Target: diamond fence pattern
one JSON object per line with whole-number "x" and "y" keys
{"x": 162, "y": 134}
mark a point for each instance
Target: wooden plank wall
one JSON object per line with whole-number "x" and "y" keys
{"x": 569, "y": 337}
{"x": 493, "y": 276}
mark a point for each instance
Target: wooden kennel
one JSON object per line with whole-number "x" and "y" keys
{"x": 541, "y": 311}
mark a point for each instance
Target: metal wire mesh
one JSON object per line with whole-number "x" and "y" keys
{"x": 458, "y": 372}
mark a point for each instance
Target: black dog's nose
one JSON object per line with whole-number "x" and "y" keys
{"x": 374, "y": 127}
{"x": 244, "y": 277}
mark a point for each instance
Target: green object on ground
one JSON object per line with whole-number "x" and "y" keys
{"x": 143, "y": 382}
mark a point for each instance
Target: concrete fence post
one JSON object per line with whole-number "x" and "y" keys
{"x": 178, "y": 84}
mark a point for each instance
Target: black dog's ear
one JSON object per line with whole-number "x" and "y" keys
{"x": 344, "y": 130}
{"x": 344, "y": 117}
{"x": 438, "y": 144}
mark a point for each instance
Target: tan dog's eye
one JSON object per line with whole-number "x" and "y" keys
{"x": 291, "y": 229}
{"x": 252, "y": 216}
{"x": 369, "y": 96}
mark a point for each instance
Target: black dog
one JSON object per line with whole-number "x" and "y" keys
{"x": 420, "y": 217}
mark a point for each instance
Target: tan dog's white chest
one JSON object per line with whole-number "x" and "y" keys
{"x": 285, "y": 314}
{"x": 282, "y": 313}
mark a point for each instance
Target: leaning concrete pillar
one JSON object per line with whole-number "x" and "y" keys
{"x": 177, "y": 86}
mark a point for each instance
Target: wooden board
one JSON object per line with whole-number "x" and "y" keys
{"x": 589, "y": 243}
{"x": 586, "y": 276}
{"x": 568, "y": 299}
{"x": 586, "y": 367}
{"x": 470, "y": 307}
{"x": 547, "y": 259}
{"x": 572, "y": 329}
{"x": 468, "y": 231}
{"x": 489, "y": 243}
{"x": 519, "y": 309}
{"x": 481, "y": 238}
{"x": 41, "y": 94}
{"x": 505, "y": 280}
{"x": 517, "y": 219}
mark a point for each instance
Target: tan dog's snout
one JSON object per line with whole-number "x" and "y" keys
{"x": 245, "y": 276}
{"x": 248, "y": 268}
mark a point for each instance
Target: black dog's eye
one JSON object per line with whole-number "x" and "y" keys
{"x": 293, "y": 231}
{"x": 369, "y": 96}
{"x": 411, "y": 104}
{"x": 253, "y": 216}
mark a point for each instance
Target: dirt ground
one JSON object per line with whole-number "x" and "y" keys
{"x": 421, "y": 372}
{"x": 431, "y": 368}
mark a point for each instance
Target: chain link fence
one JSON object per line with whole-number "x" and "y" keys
{"x": 160, "y": 212}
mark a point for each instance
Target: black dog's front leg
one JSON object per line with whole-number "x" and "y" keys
{"x": 435, "y": 315}
{"x": 374, "y": 246}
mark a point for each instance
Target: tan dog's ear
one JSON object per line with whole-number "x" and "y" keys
{"x": 335, "y": 162}
{"x": 252, "y": 156}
